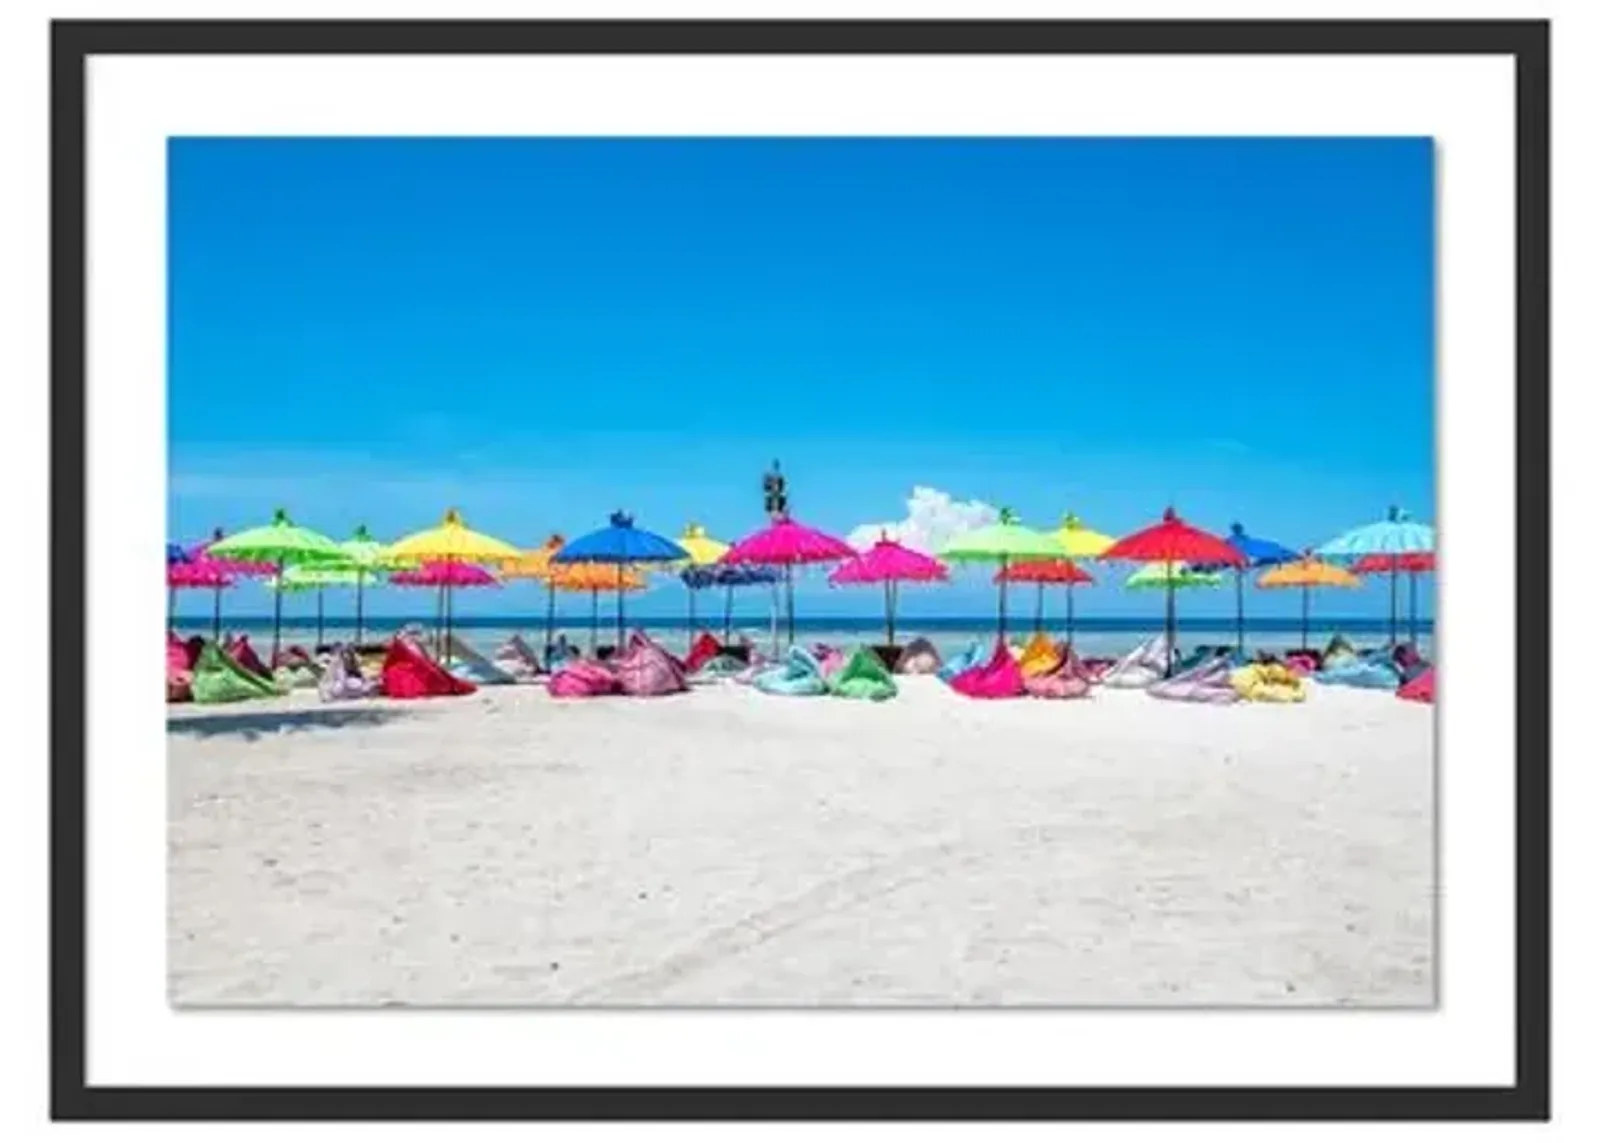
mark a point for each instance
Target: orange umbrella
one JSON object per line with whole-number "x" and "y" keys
{"x": 1307, "y": 573}
{"x": 535, "y": 564}
{"x": 593, "y": 578}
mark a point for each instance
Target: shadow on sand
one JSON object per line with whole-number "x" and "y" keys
{"x": 253, "y": 724}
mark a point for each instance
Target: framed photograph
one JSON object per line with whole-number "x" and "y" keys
{"x": 800, "y": 570}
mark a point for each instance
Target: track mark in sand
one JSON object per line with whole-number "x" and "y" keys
{"x": 868, "y": 883}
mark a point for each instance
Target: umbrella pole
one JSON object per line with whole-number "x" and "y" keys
{"x": 216, "y": 615}
{"x": 1394, "y": 606}
{"x": 549, "y": 618}
{"x": 619, "y": 609}
{"x": 888, "y": 614}
{"x": 894, "y": 605}
{"x": 1413, "y": 608}
{"x": 594, "y": 620}
{"x": 172, "y": 608}
{"x": 788, "y": 591}
{"x": 277, "y": 615}
{"x": 1305, "y": 616}
{"x": 1238, "y": 591}
{"x": 449, "y": 623}
{"x": 689, "y": 642}
{"x": 1172, "y": 623}
{"x": 1002, "y": 625}
{"x": 438, "y": 622}
{"x": 727, "y": 615}
{"x": 361, "y": 580}
{"x": 1069, "y": 615}
{"x": 318, "y": 643}
{"x": 1038, "y": 610}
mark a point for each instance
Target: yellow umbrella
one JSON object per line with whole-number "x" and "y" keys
{"x": 703, "y": 551}
{"x": 453, "y": 543}
{"x": 593, "y": 578}
{"x": 535, "y": 564}
{"x": 1307, "y": 573}
{"x": 1080, "y": 543}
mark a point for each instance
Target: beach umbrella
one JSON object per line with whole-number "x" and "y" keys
{"x": 592, "y": 578}
{"x": 890, "y": 564}
{"x": 280, "y": 543}
{"x": 368, "y": 559}
{"x": 446, "y": 577}
{"x": 188, "y": 573}
{"x": 1258, "y": 553}
{"x": 1003, "y": 542}
{"x": 535, "y": 564}
{"x": 728, "y": 577}
{"x": 1397, "y": 534}
{"x": 1079, "y": 542}
{"x": 784, "y": 544}
{"x": 176, "y": 554}
{"x": 452, "y": 542}
{"x": 703, "y": 552}
{"x": 1041, "y": 573}
{"x": 624, "y": 546}
{"x": 317, "y": 578}
{"x": 1176, "y": 575}
{"x": 232, "y": 566}
{"x": 1412, "y": 563}
{"x": 1307, "y": 573}
{"x": 1171, "y": 542}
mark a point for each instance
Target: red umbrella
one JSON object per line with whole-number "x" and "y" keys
{"x": 787, "y": 543}
{"x": 1411, "y": 563}
{"x": 1042, "y": 572}
{"x": 890, "y": 564}
{"x": 1169, "y": 542}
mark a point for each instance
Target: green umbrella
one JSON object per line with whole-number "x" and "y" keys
{"x": 1002, "y": 542}
{"x": 317, "y": 577}
{"x": 1178, "y": 574}
{"x": 368, "y": 559}
{"x": 282, "y": 543}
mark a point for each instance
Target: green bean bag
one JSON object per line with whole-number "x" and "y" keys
{"x": 863, "y": 676}
{"x": 218, "y": 677}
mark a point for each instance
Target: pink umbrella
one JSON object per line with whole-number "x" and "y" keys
{"x": 196, "y": 573}
{"x": 787, "y": 543}
{"x": 230, "y": 566}
{"x": 446, "y": 575}
{"x": 890, "y": 564}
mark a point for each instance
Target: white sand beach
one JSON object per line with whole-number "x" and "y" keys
{"x": 728, "y": 847}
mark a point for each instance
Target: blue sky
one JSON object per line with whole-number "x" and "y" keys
{"x": 540, "y": 331}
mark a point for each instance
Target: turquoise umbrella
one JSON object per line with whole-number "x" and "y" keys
{"x": 1397, "y": 534}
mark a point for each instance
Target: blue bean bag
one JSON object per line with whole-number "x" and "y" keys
{"x": 1374, "y": 671}
{"x": 798, "y": 675}
{"x": 961, "y": 661}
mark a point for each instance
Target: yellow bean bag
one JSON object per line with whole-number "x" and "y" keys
{"x": 1039, "y": 657}
{"x": 1268, "y": 682}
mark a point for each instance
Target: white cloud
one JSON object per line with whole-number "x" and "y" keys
{"x": 933, "y": 519}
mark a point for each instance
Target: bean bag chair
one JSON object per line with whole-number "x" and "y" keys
{"x": 799, "y": 675}
{"x": 918, "y": 657}
{"x": 1067, "y": 681}
{"x": 219, "y": 677}
{"x": 517, "y": 659}
{"x": 1145, "y": 664}
{"x": 583, "y": 678}
{"x": 1303, "y": 662}
{"x": 344, "y": 679}
{"x": 465, "y": 661}
{"x": 1338, "y": 650}
{"x": 863, "y": 676}
{"x": 1268, "y": 682}
{"x": 1409, "y": 661}
{"x": 831, "y": 662}
{"x": 717, "y": 669}
{"x": 1040, "y": 656}
{"x": 245, "y": 655}
{"x": 178, "y": 673}
{"x": 701, "y": 651}
{"x": 293, "y": 668}
{"x": 1373, "y": 670}
{"x": 998, "y": 678}
{"x": 962, "y": 660}
{"x": 646, "y": 670}
{"x": 1419, "y": 689}
{"x": 1209, "y": 681}
{"x": 409, "y": 673}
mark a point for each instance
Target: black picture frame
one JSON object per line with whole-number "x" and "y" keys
{"x": 72, "y": 45}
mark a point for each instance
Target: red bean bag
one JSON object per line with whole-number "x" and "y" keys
{"x": 179, "y": 675}
{"x": 408, "y": 673}
{"x": 1000, "y": 677}
{"x": 1419, "y": 689}
{"x": 245, "y": 655}
{"x": 701, "y": 652}
{"x": 582, "y": 678}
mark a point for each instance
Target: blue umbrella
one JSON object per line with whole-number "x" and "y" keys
{"x": 176, "y": 554}
{"x": 622, "y": 544}
{"x": 1258, "y": 553}
{"x": 1397, "y": 534}
{"x": 728, "y": 576}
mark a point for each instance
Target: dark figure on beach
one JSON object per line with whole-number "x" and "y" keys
{"x": 774, "y": 488}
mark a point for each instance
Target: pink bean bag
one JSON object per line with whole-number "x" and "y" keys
{"x": 645, "y": 669}
{"x": 1067, "y": 680}
{"x": 832, "y": 663}
{"x": 582, "y": 678}
{"x": 1209, "y": 682}
{"x": 245, "y": 655}
{"x": 1419, "y": 689}
{"x": 179, "y": 676}
{"x": 999, "y": 678}
{"x": 1302, "y": 662}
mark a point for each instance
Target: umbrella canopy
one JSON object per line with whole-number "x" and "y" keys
{"x": 702, "y": 548}
{"x": 1003, "y": 542}
{"x": 785, "y": 543}
{"x": 1079, "y": 542}
{"x": 1172, "y": 541}
{"x": 535, "y": 564}
{"x": 1306, "y": 574}
{"x": 176, "y": 554}
{"x": 317, "y": 577}
{"x": 621, "y": 544}
{"x": 1177, "y": 575}
{"x": 1258, "y": 553}
{"x": 592, "y": 578}
{"x": 280, "y": 542}
{"x": 1412, "y": 563}
{"x": 1043, "y": 573}
{"x": 1397, "y": 534}
{"x": 194, "y": 573}
{"x": 364, "y": 557}
{"x": 452, "y": 540}
{"x": 444, "y": 573}
{"x": 890, "y": 564}
{"x": 728, "y": 577}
